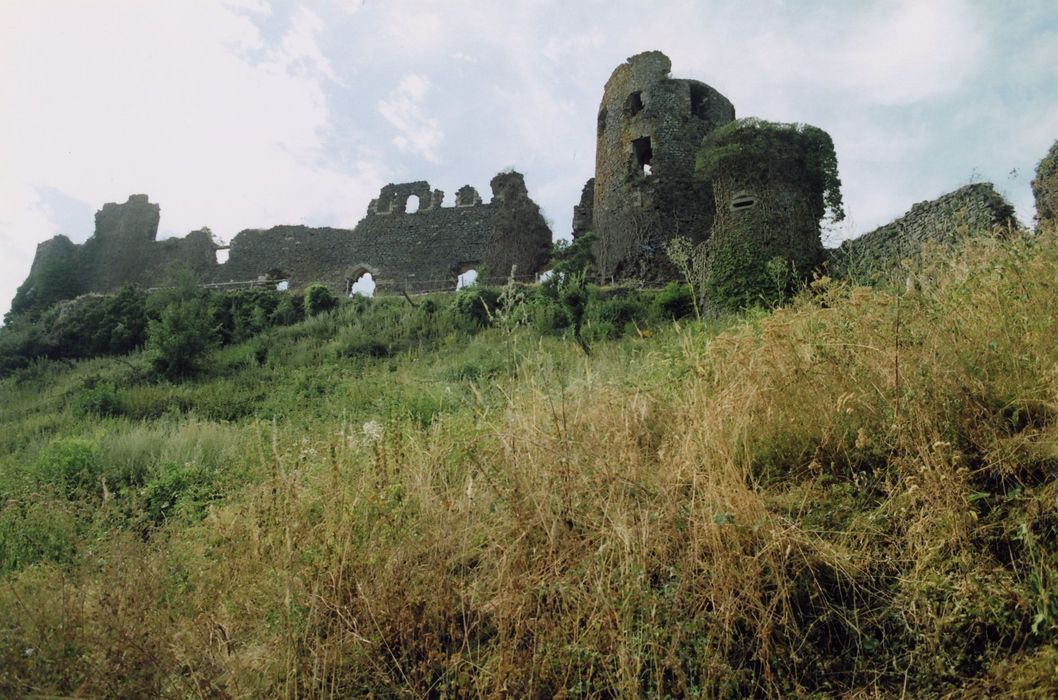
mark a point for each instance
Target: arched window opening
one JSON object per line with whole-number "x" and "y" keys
{"x": 283, "y": 285}
{"x": 364, "y": 286}
{"x": 412, "y": 204}
{"x": 644, "y": 155}
{"x": 222, "y": 255}
{"x": 634, "y": 104}
{"x": 466, "y": 279}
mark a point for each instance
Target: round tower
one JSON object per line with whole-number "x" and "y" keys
{"x": 1045, "y": 189}
{"x": 772, "y": 184}
{"x": 650, "y": 127}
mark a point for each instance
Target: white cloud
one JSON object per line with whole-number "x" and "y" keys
{"x": 910, "y": 51}
{"x": 416, "y": 132}
{"x": 299, "y": 49}
{"x": 560, "y": 48}
{"x": 351, "y": 6}
{"x": 164, "y": 98}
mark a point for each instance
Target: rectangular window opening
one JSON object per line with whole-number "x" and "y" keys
{"x": 699, "y": 101}
{"x": 634, "y": 104}
{"x": 644, "y": 154}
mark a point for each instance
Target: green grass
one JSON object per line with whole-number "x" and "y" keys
{"x": 853, "y": 495}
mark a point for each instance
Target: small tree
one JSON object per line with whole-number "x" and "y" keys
{"x": 319, "y": 299}
{"x": 568, "y": 283}
{"x": 681, "y": 252}
{"x": 180, "y": 339}
{"x": 571, "y": 258}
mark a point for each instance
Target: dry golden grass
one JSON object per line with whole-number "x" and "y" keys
{"x": 853, "y": 496}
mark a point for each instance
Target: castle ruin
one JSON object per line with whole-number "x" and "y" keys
{"x": 671, "y": 161}
{"x": 424, "y": 250}
{"x": 650, "y": 186}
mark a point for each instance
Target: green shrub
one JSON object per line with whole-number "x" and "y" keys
{"x": 674, "y": 301}
{"x": 100, "y": 399}
{"x": 179, "y": 491}
{"x": 179, "y": 341}
{"x": 363, "y": 345}
{"x": 319, "y": 299}
{"x": 35, "y": 530}
{"x": 71, "y": 465}
{"x": 617, "y": 312}
{"x": 477, "y": 303}
{"x": 21, "y": 341}
{"x": 286, "y": 311}
{"x": 571, "y": 258}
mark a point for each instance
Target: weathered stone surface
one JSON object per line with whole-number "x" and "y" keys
{"x": 122, "y": 250}
{"x": 971, "y": 210}
{"x": 418, "y": 251}
{"x": 649, "y": 130}
{"x": 584, "y": 211}
{"x": 772, "y": 185}
{"x": 55, "y": 275}
{"x": 1045, "y": 188}
{"x": 467, "y": 196}
{"x": 421, "y": 251}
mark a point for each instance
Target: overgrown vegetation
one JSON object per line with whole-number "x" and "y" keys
{"x": 853, "y": 495}
{"x": 786, "y": 176}
{"x": 758, "y": 150}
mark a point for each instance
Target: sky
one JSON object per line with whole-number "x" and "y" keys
{"x": 238, "y": 114}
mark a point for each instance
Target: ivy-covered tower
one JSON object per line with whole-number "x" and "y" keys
{"x": 772, "y": 184}
{"x": 644, "y": 193}
{"x": 1045, "y": 189}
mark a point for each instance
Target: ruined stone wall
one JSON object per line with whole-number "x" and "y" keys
{"x": 414, "y": 251}
{"x": 421, "y": 251}
{"x": 1045, "y": 188}
{"x": 55, "y": 274}
{"x": 971, "y": 210}
{"x": 122, "y": 250}
{"x": 649, "y": 130}
{"x": 584, "y": 211}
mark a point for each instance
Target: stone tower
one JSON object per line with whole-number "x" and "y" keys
{"x": 771, "y": 186}
{"x": 1045, "y": 188}
{"x": 650, "y": 127}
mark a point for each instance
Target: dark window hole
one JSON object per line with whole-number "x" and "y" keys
{"x": 644, "y": 154}
{"x": 743, "y": 201}
{"x": 699, "y": 101}
{"x": 634, "y": 104}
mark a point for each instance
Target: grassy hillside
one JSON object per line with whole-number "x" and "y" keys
{"x": 853, "y": 495}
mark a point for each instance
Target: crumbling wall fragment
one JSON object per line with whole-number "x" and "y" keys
{"x": 56, "y": 274}
{"x": 519, "y": 242}
{"x": 972, "y": 210}
{"x": 467, "y": 196}
{"x": 583, "y": 213}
